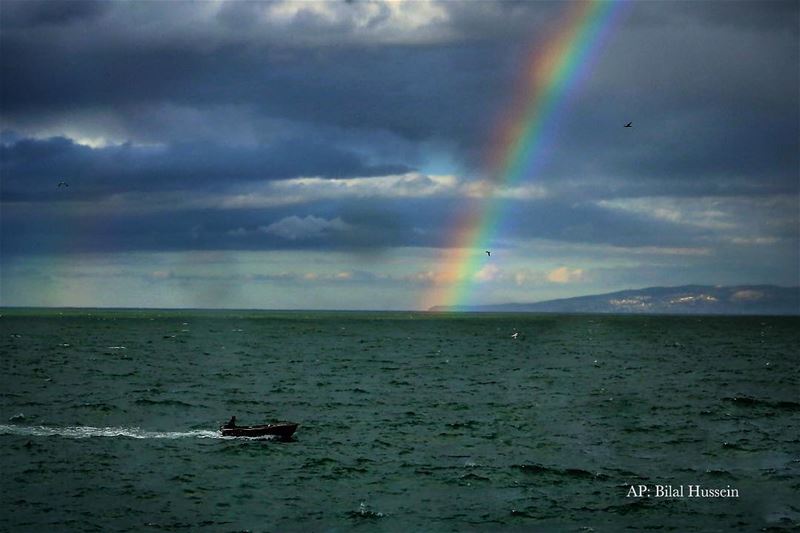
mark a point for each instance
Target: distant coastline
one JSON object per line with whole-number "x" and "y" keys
{"x": 682, "y": 300}
{"x": 736, "y": 300}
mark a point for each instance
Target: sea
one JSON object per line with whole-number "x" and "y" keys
{"x": 408, "y": 422}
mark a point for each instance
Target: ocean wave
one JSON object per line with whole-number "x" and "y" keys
{"x": 84, "y": 432}
{"x": 636, "y": 506}
{"x": 536, "y": 468}
{"x": 148, "y": 401}
{"x": 471, "y": 476}
{"x": 469, "y": 424}
{"x": 719, "y": 473}
{"x": 757, "y": 402}
{"x": 99, "y": 406}
{"x": 365, "y": 513}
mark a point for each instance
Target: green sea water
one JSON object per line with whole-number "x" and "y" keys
{"x": 408, "y": 421}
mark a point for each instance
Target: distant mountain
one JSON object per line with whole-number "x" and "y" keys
{"x": 688, "y": 299}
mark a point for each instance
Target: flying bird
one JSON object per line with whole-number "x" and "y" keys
{"x": 629, "y": 125}
{"x": 488, "y": 253}
{"x": 514, "y": 336}
{"x": 63, "y": 184}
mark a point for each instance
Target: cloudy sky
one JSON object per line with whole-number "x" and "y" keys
{"x": 318, "y": 154}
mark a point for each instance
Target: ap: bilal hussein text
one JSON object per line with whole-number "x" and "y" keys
{"x": 681, "y": 491}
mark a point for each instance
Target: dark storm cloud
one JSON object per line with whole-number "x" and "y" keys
{"x": 29, "y": 14}
{"x": 712, "y": 152}
{"x": 444, "y": 91}
{"x": 31, "y": 168}
{"x": 772, "y": 15}
{"x": 77, "y": 232}
{"x": 712, "y": 89}
{"x": 427, "y": 92}
{"x": 714, "y": 105}
{"x": 346, "y": 224}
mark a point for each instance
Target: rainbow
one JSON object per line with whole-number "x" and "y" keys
{"x": 555, "y": 70}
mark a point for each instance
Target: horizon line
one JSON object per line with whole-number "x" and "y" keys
{"x": 434, "y": 309}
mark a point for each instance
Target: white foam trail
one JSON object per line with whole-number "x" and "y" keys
{"x": 84, "y": 432}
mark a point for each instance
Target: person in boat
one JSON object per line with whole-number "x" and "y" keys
{"x": 231, "y": 423}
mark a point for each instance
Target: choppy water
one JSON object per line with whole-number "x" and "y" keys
{"x": 408, "y": 422}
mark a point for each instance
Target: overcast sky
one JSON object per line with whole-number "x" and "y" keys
{"x": 318, "y": 154}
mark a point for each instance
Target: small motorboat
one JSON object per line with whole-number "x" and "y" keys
{"x": 281, "y": 430}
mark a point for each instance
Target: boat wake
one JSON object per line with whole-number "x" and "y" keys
{"x": 84, "y": 432}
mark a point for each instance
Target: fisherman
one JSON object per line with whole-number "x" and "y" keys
{"x": 231, "y": 423}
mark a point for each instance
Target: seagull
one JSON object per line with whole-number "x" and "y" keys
{"x": 488, "y": 253}
{"x": 629, "y": 125}
{"x": 63, "y": 184}
{"x": 514, "y": 336}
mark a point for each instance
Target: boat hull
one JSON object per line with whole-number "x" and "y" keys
{"x": 281, "y": 431}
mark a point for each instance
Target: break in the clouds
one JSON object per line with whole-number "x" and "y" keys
{"x": 360, "y": 131}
